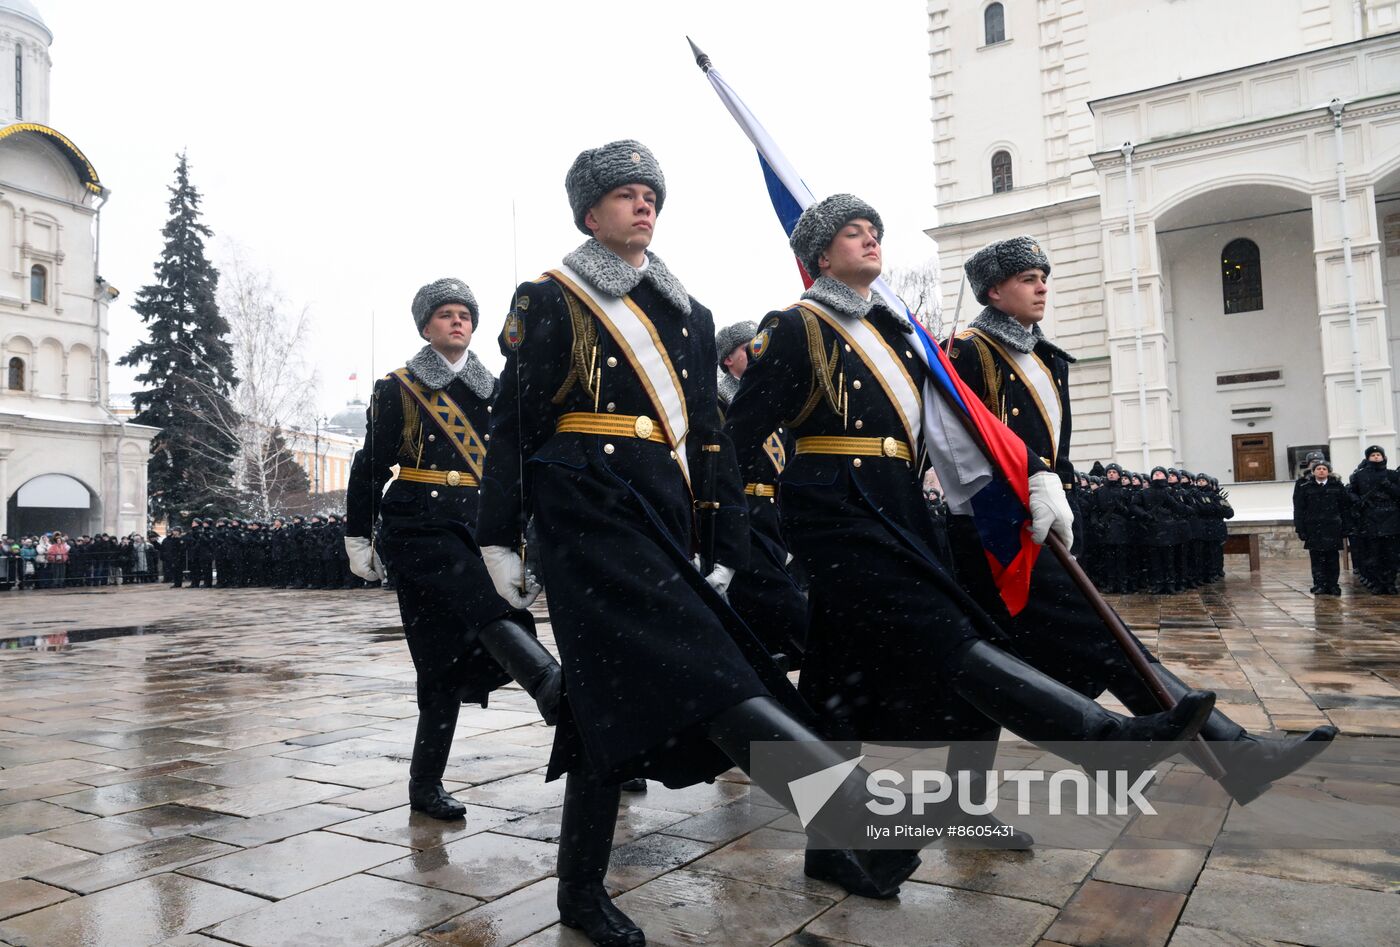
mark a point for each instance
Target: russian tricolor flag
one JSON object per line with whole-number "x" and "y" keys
{"x": 980, "y": 462}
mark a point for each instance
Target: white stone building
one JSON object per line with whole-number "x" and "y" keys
{"x": 1234, "y": 312}
{"x": 66, "y": 462}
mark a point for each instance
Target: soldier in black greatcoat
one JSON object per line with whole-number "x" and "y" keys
{"x": 609, "y": 411}
{"x": 1113, "y": 512}
{"x": 765, "y": 593}
{"x": 1376, "y": 489}
{"x": 1322, "y": 517}
{"x": 1007, "y": 361}
{"x": 172, "y": 556}
{"x": 430, "y": 418}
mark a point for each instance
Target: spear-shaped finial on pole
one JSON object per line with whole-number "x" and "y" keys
{"x": 701, "y": 59}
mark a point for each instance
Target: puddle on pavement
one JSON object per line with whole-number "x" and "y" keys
{"x": 62, "y": 640}
{"x": 385, "y": 633}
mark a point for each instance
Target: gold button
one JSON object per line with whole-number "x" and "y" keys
{"x": 889, "y": 447}
{"x": 608, "y": 448}
{"x": 685, "y": 332}
{"x": 673, "y": 455}
{"x": 908, "y": 354}
{"x": 486, "y": 437}
{"x": 859, "y": 424}
{"x": 856, "y": 462}
{"x": 454, "y": 478}
{"x": 612, "y": 406}
{"x": 432, "y": 437}
{"x": 643, "y": 427}
{"x": 432, "y": 466}
{"x": 780, "y": 430}
{"x": 488, "y": 409}
{"x": 856, "y": 384}
{"x": 848, "y": 348}
{"x": 612, "y": 361}
{"x": 1015, "y": 412}
{"x": 685, "y": 373}
{"x": 433, "y": 494}
{"x": 1011, "y": 375}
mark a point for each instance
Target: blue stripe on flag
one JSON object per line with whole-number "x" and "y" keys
{"x": 998, "y": 515}
{"x": 784, "y": 203}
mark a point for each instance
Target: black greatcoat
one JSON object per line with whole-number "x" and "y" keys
{"x": 445, "y": 593}
{"x": 649, "y": 651}
{"x": 765, "y": 594}
{"x": 1322, "y": 514}
{"x": 884, "y": 611}
{"x": 1058, "y": 631}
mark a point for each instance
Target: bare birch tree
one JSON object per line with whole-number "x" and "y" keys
{"x": 277, "y": 386}
{"x": 919, "y": 287}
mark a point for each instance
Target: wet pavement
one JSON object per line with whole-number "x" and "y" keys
{"x": 199, "y": 767}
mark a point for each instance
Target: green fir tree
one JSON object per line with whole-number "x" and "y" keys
{"x": 188, "y": 369}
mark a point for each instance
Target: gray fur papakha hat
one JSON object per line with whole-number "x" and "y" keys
{"x": 597, "y": 171}
{"x": 818, "y": 225}
{"x": 439, "y": 293}
{"x": 1001, "y": 261}
{"x": 731, "y": 337}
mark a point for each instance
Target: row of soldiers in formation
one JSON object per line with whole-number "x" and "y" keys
{"x": 296, "y": 553}
{"x": 1160, "y": 532}
{"x": 606, "y": 448}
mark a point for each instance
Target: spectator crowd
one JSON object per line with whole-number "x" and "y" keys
{"x": 302, "y": 552}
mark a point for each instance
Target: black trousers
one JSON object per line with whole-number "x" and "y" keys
{"x": 1326, "y": 567}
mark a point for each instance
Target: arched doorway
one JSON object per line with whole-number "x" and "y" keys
{"x": 1240, "y": 298}
{"x": 51, "y": 502}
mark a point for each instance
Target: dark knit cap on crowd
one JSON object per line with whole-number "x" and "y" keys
{"x": 599, "y": 170}
{"x": 997, "y": 262}
{"x": 439, "y": 293}
{"x": 820, "y": 223}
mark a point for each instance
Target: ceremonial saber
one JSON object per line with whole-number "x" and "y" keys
{"x": 957, "y": 310}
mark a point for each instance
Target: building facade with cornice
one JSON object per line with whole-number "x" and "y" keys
{"x": 1218, "y": 188}
{"x": 66, "y": 461}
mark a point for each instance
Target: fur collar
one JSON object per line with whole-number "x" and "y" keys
{"x": 1012, "y": 334}
{"x": 429, "y": 368}
{"x": 836, "y": 295}
{"x": 728, "y": 387}
{"x": 607, "y": 272}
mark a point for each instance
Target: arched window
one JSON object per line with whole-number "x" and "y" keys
{"x": 15, "y": 381}
{"x": 38, "y": 284}
{"x": 1001, "y": 172}
{"x": 1242, "y": 283}
{"x": 994, "y": 22}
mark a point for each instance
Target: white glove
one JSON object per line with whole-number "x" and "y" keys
{"x": 1049, "y": 508}
{"x": 508, "y": 575}
{"x": 362, "y": 559}
{"x": 719, "y": 579}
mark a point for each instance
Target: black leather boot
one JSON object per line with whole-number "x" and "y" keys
{"x": 585, "y": 843}
{"x": 976, "y": 758}
{"x": 527, "y": 662}
{"x": 871, "y": 873}
{"x": 437, "y": 722}
{"x": 1251, "y": 763}
{"x": 634, "y": 785}
{"x": 1041, "y": 709}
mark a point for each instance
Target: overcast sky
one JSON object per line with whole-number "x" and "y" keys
{"x": 358, "y": 150}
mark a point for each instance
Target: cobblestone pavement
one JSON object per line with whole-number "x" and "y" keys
{"x": 193, "y": 767}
